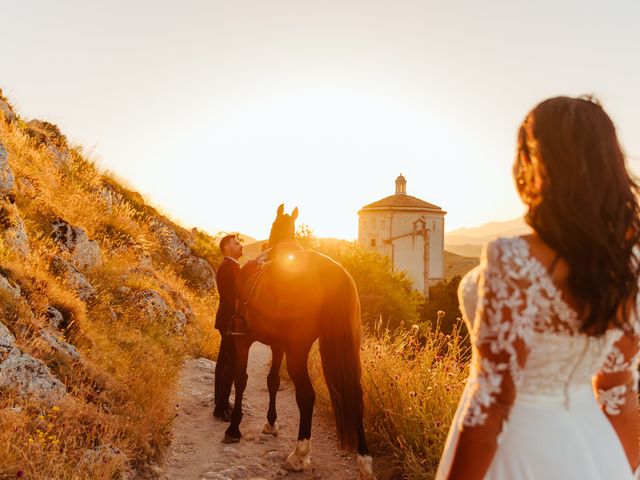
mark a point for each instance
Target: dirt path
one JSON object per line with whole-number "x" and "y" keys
{"x": 197, "y": 453}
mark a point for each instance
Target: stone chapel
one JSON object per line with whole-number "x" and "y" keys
{"x": 409, "y": 231}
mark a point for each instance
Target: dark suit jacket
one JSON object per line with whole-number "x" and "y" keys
{"x": 228, "y": 281}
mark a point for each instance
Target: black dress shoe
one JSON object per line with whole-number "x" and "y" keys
{"x": 223, "y": 414}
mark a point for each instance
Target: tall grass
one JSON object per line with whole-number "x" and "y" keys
{"x": 412, "y": 381}
{"x": 115, "y": 420}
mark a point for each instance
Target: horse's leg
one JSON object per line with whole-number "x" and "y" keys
{"x": 305, "y": 397}
{"x": 365, "y": 462}
{"x": 273, "y": 383}
{"x": 232, "y": 434}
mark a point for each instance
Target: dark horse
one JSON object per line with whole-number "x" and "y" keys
{"x": 290, "y": 301}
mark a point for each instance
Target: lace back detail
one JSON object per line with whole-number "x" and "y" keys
{"x": 526, "y": 338}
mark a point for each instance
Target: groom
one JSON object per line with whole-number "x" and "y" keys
{"x": 228, "y": 282}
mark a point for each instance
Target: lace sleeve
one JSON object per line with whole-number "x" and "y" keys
{"x": 619, "y": 374}
{"x": 616, "y": 387}
{"x": 500, "y": 337}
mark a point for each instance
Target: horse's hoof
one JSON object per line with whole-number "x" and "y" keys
{"x": 271, "y": 429}
{"x": 365, "y": 468}
{"x": 299, "y": 459}
{"x": 230, "y": 438}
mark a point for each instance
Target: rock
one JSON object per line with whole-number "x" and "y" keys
{"x": 15, "y": 233}
{"x": 26, "y": 187}
{"x": 7, "y": 340}
{"x": 171, "y": 243}
{"x": 106, "y": 196}
{"x": 215, "y": 476}
{"x": 55, "y": 317}
{"x": 30, "y": 377}
{"x": 108, "y": 454}
{"x": 7, "y": 110}
{"x": 58, "y": 345}
{"x": 145, "y": 264}
{"x": 76, "y": 280}
{"x": 47, "y": 133}
{"x": 180, "y": 322}
{"x": 204, "y": 364}
{"x": 198, "y": 272}
{"x": 275, "y": 456}
{"x": 61, "y": 158}
{"x": 151, "y": 305}
{"x": 237, "y": 471}
{"x": 231, "y": 450}
{"x": 85, "y": 253}
{"x": 6, "y": 174}
{"x": 12, "y": 289}
{"x": 124, "y": 290}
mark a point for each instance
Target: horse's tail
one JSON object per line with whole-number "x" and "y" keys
{"x": 340, "y": 354}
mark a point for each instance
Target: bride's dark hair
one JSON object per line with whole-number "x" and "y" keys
{"x": 571, "y": 172}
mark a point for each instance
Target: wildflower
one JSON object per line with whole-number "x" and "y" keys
{"x": 20, "y": 473}
{"x": 55, "y": 409}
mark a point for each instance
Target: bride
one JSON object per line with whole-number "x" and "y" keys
{"x": 553, "y": 316}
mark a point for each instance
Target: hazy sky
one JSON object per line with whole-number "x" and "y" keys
{"x": 218, "y": 111}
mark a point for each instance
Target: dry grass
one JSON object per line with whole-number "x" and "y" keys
{"x": 116, "y": 416}
{"x": 412, "y": 381}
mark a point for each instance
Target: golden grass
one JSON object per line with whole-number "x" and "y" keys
{"x": 118, "y": 410}
{"x": 412, "y": 381}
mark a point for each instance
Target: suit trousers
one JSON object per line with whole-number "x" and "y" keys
{"x": 225, "y": 371}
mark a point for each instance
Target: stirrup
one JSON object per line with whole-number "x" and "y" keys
{"x": 237, "y": 334}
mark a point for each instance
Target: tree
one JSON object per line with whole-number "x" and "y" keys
{"x": 385, "y": 295}
{"x": 443, "y": 297}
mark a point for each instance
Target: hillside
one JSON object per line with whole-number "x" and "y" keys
{"x": 101, "y": 298}
{"x": 455, "y": 264}
{"x": 469, "y": 241}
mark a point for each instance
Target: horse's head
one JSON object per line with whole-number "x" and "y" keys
{"x": 283, "y": 228}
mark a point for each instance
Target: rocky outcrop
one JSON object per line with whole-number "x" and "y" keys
{"x": 12, "y": 229}
{"x": 85, "y": 253}
{"x": 56, "y": 319}
{"x": 58, "y": 345}
{"x": 6, "y": 174}
{"x": 74, "y": 278}
{"x": 154, "y": 309}
{"x": 171, "y": 243}
{"x": 198, "y": 272}
{"x": 47, "y": 134}
{"x": 61, "y": 158}
{"x": 7, "y": 340}
{"x": 110, "y": 455}
{"x": 26, "y": 375}
{"x": 152, "y": 306}
{"x": 6, "y": 286}
{"x": 7, "y": 110}
{"x": 27, "y": 187}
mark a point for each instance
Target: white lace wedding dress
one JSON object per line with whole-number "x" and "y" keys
{"x": 531, "y": 376}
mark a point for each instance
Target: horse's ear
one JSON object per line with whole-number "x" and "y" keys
{"x": 280, "y": 210}
{"x": 294, "y": 214}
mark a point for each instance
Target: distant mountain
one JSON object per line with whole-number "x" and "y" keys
{"x": 469, "y": 241}
{"x": 466, "y": 250}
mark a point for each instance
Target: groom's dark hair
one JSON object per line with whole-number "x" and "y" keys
{"x": 226, "y": 239}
